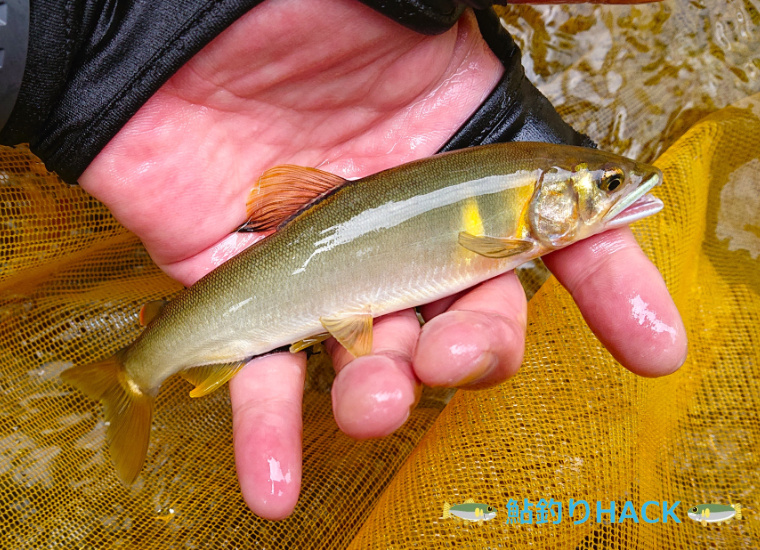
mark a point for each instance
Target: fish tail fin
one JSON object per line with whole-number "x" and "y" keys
{"x": 738, "y": 509}
{"x": 128, "y": 411}
{"x": 446, "y": 508}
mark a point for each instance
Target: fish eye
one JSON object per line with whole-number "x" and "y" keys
{"x": 694, "y": 509}
{"x": 611, "y": 181}
{"x": 490, "y": 508}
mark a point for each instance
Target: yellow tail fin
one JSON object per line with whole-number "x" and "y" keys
{"x": 738, "y": 509}
{"x": 128, "y": 411}
{"x": 446, "y": 508}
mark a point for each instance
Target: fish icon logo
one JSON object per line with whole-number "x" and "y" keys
{"x": 469, "y": 510}
{"x": 714, "y": 513}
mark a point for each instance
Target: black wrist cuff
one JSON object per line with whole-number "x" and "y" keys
{"x": 422, "y": 16}
{"x": 515, "y": 110}
{"x": 428, "y": 16}
{"x": 14, "y": 37}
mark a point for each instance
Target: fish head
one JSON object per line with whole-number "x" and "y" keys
{"x": 489, "y": 513}
{"x": 590, "y": 192}
{"x": 699, "y": 512}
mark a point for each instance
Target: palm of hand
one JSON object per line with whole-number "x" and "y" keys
{"x": 356, "y": 96}
{"x": 333, "y": 84}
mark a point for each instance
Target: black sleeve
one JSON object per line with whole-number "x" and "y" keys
{"x": 515, "y": 110}
{"x": 91, "y": 64}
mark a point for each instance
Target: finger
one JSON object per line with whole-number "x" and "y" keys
{"x": 479, "y": 341}
{"x": 624, "y": 300}
{"x": 188, "y": 271}
{"x": 266, "y": 398}
{"x": 433, "y": 309}
{"x": 373, "y": 395}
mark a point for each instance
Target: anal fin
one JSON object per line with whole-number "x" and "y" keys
{"x": 208, "y": 378}
{"x": 353, "y": 331}
{"x": 283, "y": 191}
{"x": 493, "y": 247}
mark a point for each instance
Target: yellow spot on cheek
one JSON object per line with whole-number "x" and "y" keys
{"x": 586, "y": 181}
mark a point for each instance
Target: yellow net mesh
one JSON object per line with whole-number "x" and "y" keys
{"x": 571, "y": 424}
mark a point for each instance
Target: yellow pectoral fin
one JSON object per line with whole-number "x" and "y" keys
{"x": 283, "y": 191}
{"x": 301, "y": 345}
{"x": 353, "y": 331}
{"x": 128, "y": 411}
{"x": 208, "y": 378}
{"x": 493, "y": 247}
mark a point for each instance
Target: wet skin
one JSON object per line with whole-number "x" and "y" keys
{"x": 351, "y": 99}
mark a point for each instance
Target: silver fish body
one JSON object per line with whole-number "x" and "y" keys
{"x": 393, "y": 240}
{"x": 378, "y": 245}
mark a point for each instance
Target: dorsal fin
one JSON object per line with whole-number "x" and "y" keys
{"x": 151, "y": 310}
{"x": 283, "y": 191}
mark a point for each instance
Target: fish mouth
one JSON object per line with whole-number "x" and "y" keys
{"x": 635, "y": 206}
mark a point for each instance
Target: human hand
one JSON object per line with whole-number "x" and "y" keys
{"x": 359, "y": 94}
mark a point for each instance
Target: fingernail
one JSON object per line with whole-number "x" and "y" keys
{"x": 483, "y": 366}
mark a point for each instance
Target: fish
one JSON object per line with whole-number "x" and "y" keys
{"x": 714, "y": 513}
{"x": 339, "y": 253}
{"x": 469, "y": 510}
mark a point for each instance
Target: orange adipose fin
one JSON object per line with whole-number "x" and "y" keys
{"x": 208, "y": 378}
{"x": 283, "y": 191}
{"x": 128, "y": 411}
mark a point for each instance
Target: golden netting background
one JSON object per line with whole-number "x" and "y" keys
{"x": 571, "y": 424}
